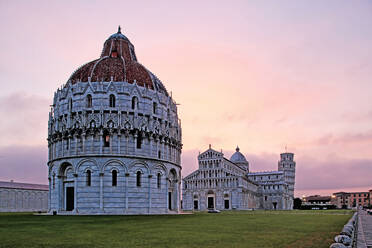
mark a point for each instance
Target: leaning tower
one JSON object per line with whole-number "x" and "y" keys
{"x": 288, "y": 166}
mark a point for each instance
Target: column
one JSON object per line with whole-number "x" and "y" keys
{"x": 59, "y": 195}
{"x": 63, "y": 145}
{"x": 151, "y": 150}
{"x": 75, "y": 192}
{"x": 135, "y": 143}
{"x": 84, "y": 136}
{"x": 178, "y": 195}
{"x": 111, "y": 140}
{"x": 76, "y": 143}
{"x": 166, "y": 194}
{"x": 69, "y": 145}
{"x": 101, "y": 191}
{"x": 150, "y": 176}
{"x": 126, "y": 191}
{"x": 119, "y": 136}
{"x": 126, "y": 147}
{"x": 92, "y": 144}
{"x": 49, "y": 195}
{"x": 100, "y": 142}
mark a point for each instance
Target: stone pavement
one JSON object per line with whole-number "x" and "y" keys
{"x": 364, "y": 230}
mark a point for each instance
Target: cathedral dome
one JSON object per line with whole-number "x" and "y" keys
{"x": 118, "y": 63}
{"x": 238, "y": 157}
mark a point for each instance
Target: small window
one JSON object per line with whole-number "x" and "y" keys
{"x": 106, "y": 140}
{"x": 265, "y": 198}
{"x": 89, "y": 178}
{"x": 159, "y": 180}
{"x": 139, "y": 141}
{"x": 114, "y": 54}
{"x": 114, "y": 178}
{"x": 138, "y": 181}
{"x": 112, "y": 101}
{"x": 154, "y": 106}
{"x": 89, "y": 101}
{"x": 134, "y": 102}
{"x": 67, "y": 144}
{"x": 159, "y": 154}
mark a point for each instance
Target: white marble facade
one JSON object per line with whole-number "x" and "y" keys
{"x": 114, "y": 139}
{"x": 224, "y": 184}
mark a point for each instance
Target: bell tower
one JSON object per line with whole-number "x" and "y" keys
{"x": 288, "y": 166}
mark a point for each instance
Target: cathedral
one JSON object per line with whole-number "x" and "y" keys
{"x": 222, "y": 184}
{"x": 114, "y": 139}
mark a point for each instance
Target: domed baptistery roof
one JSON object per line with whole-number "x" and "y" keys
{"x": 114, "y": 138}
{"x": 239, "y": 159}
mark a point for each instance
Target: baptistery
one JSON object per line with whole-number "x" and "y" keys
{"x": 114, "y": 139}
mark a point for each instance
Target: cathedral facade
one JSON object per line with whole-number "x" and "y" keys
{"x": 223, "y": 184}
{"x": 114, "y": 139}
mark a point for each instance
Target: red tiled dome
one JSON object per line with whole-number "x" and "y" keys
{"x": 118, "y": 62}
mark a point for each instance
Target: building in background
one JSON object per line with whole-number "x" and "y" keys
{"x": 359, "y": 199}
{"x": 352, "y": 199}
{"x": 341, "y": 200}
{"x": 317, "y": 202}
{"x": 114, "y": 138}
{"x": 23, "y": 197}
{"x": 222, "y": 183}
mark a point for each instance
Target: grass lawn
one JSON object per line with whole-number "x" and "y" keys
{"x": 228, "y": 229}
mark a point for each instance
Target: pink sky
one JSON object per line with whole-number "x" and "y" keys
{"x": 258, "y": 74}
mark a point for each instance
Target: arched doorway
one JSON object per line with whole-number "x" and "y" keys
{"x": 67, "y": 196}
{"x": 172, "y": 190}
{"x": 196, "y": 202}
{"x": 211, "y": 200}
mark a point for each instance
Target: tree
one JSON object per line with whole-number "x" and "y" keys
{"x": 297, "y": 202}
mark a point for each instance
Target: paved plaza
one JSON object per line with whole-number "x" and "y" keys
{"x": 364, "y": 230}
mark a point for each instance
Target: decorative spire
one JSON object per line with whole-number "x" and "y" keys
{"x": 119, "y": 30}
{"x": 237, "y": 149}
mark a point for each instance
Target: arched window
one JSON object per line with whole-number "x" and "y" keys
{"x": 154, "y": 106}
{"x": 112, "y": 101}
{"x": 106, "y": 139}
{"x": 134, "y": 102}
{"x": 89, "y": 101}
{"x": 138, "y": 181}
{"x": 89, "y": 178}
{"x": 114, "y": 178}
{"x": 159, "y": 180}
{"x": 139, "y": 141}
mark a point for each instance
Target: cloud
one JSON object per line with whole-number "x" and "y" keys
{"x": 24, "y": 164}
{"x": 332, "y": 173}
{"x": 25, "y": 119}
{"x": 348, "y": 138}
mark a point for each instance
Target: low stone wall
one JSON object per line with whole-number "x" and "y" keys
{"x": 348, "y": 235}
{"x": 23, "y": 200}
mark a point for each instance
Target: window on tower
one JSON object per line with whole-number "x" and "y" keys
{"x": 138, "y": 181}
{"x": 106, "y": 139}
{"x": 89, "y": 178}
{"x": 112, "y": 101}
{"x": 134, "y": 102}
{"x": 114, "y": 178}
{"x": 89, "y": 101}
